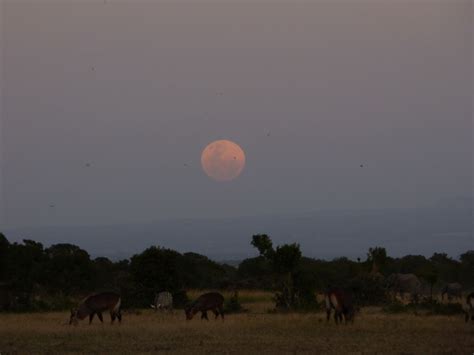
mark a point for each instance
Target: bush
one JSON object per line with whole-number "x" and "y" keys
{"x": 180, "y": 299}
{"x": 58, "y": 302}
{"x": 304, "y": 287}
{"x": 53, "y": 303}
{"x": 232, "y": 305}
{"x": 368, "y": 289}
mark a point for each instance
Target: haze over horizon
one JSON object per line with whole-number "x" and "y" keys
{"x": 446, "y": 227}
{"x": 106, "y": 108}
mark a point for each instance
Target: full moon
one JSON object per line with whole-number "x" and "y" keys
{"x": 223, "y": 160}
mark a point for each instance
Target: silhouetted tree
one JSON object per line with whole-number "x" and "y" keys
{"x": 154, "y": 270}
{"x": 158, "y": 269}
{"x": 410, "y": 264}
{"x": 256, "y": 273}
{"x": 430, "y": 275}
{"x": 39, "y": 278}
{"x": 377, "y": 259}
{"x": 264, "y": 245}
{"x": 284, "y": 261}
{"x": 4, "y": 245}
{"x": 446, "y": 268}
{"x": 467, "y": 268}
{"x": 201, "y": 272}
{"x": 69, "y": 269}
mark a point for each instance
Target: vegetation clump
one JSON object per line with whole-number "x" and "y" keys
{"x": 232, "y": 304}
{"x": 38, "y": 278}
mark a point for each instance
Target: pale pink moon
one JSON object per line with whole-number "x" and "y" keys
{"x": 223, "y": 160}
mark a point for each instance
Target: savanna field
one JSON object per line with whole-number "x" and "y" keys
{"x": 262, "y": 164}
{"x": 255, "y": 331}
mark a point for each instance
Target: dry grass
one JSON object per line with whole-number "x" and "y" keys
{"x": 248, "y": 333}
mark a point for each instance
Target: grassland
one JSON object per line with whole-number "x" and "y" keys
{"x": 256, "y": 331}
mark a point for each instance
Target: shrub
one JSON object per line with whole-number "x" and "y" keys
{"x": 232, "y": 304}
{"x": 368, "y": 289}
{"x": 180, "y": 299}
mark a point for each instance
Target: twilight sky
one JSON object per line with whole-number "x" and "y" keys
{"x": 106, "y": 107}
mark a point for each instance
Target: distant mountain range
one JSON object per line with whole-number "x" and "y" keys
{"x": 446, "y": 227}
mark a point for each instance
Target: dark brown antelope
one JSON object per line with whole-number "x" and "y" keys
{"x": 212, "y": 301}
{"x": 96, "y": 304}
{"x": 341, "y": 301}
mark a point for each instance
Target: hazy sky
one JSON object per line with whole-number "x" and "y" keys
{"x": 133, "y": 89}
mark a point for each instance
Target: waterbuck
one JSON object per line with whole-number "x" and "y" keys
{"x": 96, "y": 304}
{"x": 212, "y": 301}
{"x": 341, "y": 301}
{"x": 163, "y": 300}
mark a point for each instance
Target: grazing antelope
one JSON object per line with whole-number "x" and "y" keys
{"x": 96, "y": 304}
{"x": 212, "y": 301}
{"x": 163, "y": 300}
{"x": 341, "y": 302}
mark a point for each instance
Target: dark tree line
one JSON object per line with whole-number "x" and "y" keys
{"x": 33, "y": 277}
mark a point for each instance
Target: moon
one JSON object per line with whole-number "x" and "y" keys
{"x": 223, "y": 160}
